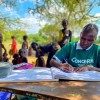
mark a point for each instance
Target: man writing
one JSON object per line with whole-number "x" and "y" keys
{"x": 81, "y": 56}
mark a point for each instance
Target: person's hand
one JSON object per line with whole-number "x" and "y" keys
{"x": 84, "y": 68}
{"x": 91, "y": 68}
{"x": 66, "y": 67}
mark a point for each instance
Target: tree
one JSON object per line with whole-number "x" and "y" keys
{"x": 37, "y": 38}
{"x": 7, "y": 20}
{"x": 2, "y": 26}
{"x": 50, "y": 32}
{"x": 77, "y": 12}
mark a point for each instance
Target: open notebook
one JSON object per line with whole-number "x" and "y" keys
{"x": 29, "y": 75}
{"x": 49, "y": 74}
{"x": 82, "y": 76}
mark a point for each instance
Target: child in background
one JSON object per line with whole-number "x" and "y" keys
{"x": 15, "y": 59}
{"x": 14, "y": 45}
{"x": 19, "y": 58}
{"x": 2, "y": 47}
{"x": 25, "y": 46}
{"x": 50, "y": 49}
{"x": 65, "y": 35}
{"x": 40, "y": 62}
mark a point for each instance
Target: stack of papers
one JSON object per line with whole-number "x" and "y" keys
{"x": 49, "y": 74}
{"x": 29, "y": 75}
{"x": 82, "y": 76}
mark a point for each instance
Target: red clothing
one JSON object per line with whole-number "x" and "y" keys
{"x": 14, "y": 46}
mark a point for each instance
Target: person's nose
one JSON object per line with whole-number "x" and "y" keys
{"x": 85, "y": 42}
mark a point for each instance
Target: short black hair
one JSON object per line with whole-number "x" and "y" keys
{"x": 25, "y": 37}
{"x": 89, "y": 28}
{"x": 33, "y": 45}
{"x": 64, "y": 21}
{"x": 15, "y": 56}
{"x": 12, "y": 37}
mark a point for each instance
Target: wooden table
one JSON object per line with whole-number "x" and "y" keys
{"x": 66, "y": 90}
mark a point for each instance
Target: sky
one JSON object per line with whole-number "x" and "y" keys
{"x": 31, "y": 21}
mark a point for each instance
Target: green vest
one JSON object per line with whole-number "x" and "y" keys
{"x": 79, "y": 57}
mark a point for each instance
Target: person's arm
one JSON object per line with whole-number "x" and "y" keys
{"x": 86, "y": 68}
{"x": 43, "y": 61}
{"x": 60, "y": 56}
{"x": 90, "y": 67}
{"x": 63, "y": 66}
{"x": 70, "y": 36}
{"x": 97, "y": 68}
{"x": 5, "y": 51}
{"x": 27, "y": 45}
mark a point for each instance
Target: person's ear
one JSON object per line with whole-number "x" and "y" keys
{"x": 80, "y": 34}
{"x": 95, "y": 37}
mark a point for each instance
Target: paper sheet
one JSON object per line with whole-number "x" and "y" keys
{"x": 47, "y": 74}
{"x": 29, "y": 75}
{"x": 83, "y": 76}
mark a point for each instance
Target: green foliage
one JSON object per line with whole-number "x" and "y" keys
{"x": 18, "y": 34}
{"x": 19, "y": 37}
{"x": 98, "y": 40}
{"x": 2, "y": 26}
{"x": 50, "y": 32}
{"x": 77, "y": 12}
{"x": 37, "y": 38}
{"x": 75, "y": 39}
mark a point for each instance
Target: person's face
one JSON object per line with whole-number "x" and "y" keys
{"x": 64, "y": 24}
{"x": 56, "y": 47}
{"x": 86, "y": 40}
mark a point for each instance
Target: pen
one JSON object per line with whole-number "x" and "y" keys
{"x": 64, "y": 59}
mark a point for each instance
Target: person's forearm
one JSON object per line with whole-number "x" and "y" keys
{"x": 4, "y": 49}
{"x": 54, "y": 63}
{"x": 97, "y": 69}
{"x": 94, "y": 68}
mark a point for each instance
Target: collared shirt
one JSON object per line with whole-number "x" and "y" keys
{"x": 68, "y": 49}
{"x": 78, "y": 47}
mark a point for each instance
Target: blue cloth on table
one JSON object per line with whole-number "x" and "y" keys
{"x": 4, "y": 95}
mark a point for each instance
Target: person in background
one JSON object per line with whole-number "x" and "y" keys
{"x": 25, "y": 46}
{"x": 49, "y": 49}
{"x": 80, "y": 56}
{"x": 40, "y": 62}
{"x": 65, "y": 35}
{"x": 2, "y": 47}
{"x": 19, "y": 58}
{"x": 15, "y": 59}
{"x": 22, "y": 58}
{"x": 13, "y": 49}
